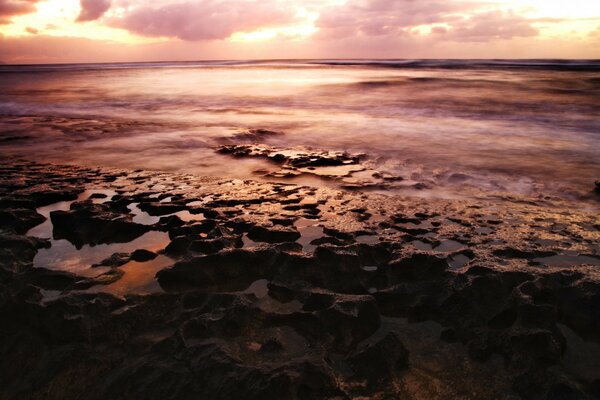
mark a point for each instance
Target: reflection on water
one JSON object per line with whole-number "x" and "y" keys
{"x": 64, "y": 256}
{"x": 526, "y": 128}
{"x": 44, "y": 230}
{"x": 139, "y": 278}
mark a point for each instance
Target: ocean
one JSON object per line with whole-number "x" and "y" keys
{"x": 495, "y": 129}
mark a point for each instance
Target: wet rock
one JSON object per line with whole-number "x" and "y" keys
{"x": 351, "y": 319}
{"x": 231, "y": 269}
{"x": 209, "y": 246}
{"x": 89, "y": 223}
{"x": 378, "y": 361}
{"x": 142, "y": 255}
{"x": 254, "y": 135}
{"x": 418, "y": 266}
{"x": 274, "y": 234}
{"x": 179, "y": 245}
{"x": 43, "y": 195}
{"x": 158, "y": 209}
{"x": 341, "y": 259}
{"x": 312, "y": 332}
{"x": 20, "y": 220}
{"x": 115, "y": 260}
{"x": 169, "y": 223}
{"x": 205, "y": 226}
{"x": 17, "y": 252}
{"x": 52, "y": 280}
{"x": 18, "y": 203}
{"x": 511, "y": 252}
{"x": 295, "y": 158}
{"x": 111, "y": 276}
{"x": 271, "y": 346}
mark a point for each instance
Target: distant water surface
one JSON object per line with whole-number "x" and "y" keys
{"x": 464, "y": 128}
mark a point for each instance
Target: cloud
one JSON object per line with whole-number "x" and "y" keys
{"x": 91, "y": 10}
{"x": 10, "y": 8}
{"x": 494, "y": 25}
{"x": 205, "y": 19}
{"x": 386, "y": 17}
{"x": 451, "y": 20}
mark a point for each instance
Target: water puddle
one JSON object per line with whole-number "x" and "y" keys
{"x": 265, "y": 302}
{"x": 565, "y": 261}
{"x": 309, "y": 231}
{"x": 458, "y": 261}
{"x": 143, "y": 218}
{"x": 186, "y": 216}
{"x": 44, "y": 230}
{"x": 64, "y": 256}
{"x": 419, "y": 245}
{"x": 249, "y": 243}
{"x": 368, "y": 239}
{"x": 139, "y": 278}
{"x": 448, "y": 246}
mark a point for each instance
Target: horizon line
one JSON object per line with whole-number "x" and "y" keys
{"x": 265, "y": 60}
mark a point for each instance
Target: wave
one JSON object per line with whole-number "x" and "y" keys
{"x": 547, "y": 64}
{"x": 567, "y": 65}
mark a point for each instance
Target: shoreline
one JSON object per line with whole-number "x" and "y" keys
{"x": 288, "y": 291}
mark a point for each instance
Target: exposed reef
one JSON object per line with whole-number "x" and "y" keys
{"x": 135, "y": 284}
{"x": 350, "y": 170}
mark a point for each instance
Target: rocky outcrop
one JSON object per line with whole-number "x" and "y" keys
{"x": 89, "y": 223}
{"x": 283, "y": 291}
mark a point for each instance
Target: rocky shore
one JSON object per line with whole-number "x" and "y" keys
{"x": 145, "y": 285}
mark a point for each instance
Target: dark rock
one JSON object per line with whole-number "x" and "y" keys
{"x": 142, "y": 255}
{"x": 350, "y": 320}
{"x": 418, "y": 266}
{"x": 271, "y": 346}
{"x": 97, "y": 196}
{"x": 88, "y": 223}
{"x": 378, "y": 361}
{"x": 231, "y": 270}
{"x": 43, "y": 196}
{"x": 51, "y": 280}
{"x": 209, "y": 246}
{"x": 20, "y": 220}
{"x": 274, "y": 234}
{"x": 17, "y": 252}
{"x": 169, "y": 223}
{"x": 115, "y": 260}
{"x": 158, "y": 209}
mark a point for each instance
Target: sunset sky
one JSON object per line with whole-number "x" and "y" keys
{"x": 57, "y": 31}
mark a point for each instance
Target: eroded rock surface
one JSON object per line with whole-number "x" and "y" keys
{"x": 272, "y": 290}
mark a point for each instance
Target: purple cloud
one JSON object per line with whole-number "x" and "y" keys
{"x": 493, "y": 25}
{"x": 458, "y": 20}
{"x": 204, "y": 20}
{"x": 10, "y": 8}
{"x": 386, "y": 17}
{"x": 91, "y": 10}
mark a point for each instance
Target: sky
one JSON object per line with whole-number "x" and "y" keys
{"x": 67, "y": 31}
